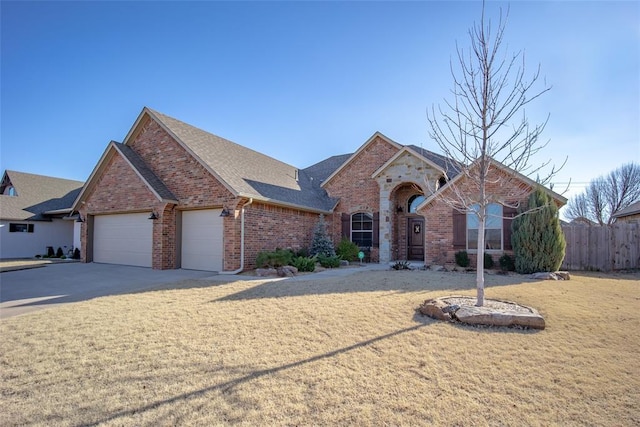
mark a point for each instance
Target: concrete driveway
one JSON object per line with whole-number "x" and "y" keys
{"x": 25, "y": 291}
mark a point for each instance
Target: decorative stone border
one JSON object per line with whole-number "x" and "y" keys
{"x": 494, "y": 312}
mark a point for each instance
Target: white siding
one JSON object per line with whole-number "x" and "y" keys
{"x": 123, "y": 239}
{"x": 58, "y": 234}
{"x": 202, "y": 240}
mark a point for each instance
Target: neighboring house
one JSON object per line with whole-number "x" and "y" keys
{"x": 629, "y": 214}
{"x": 32, "y": 214}
{"x": 174, "y": 196}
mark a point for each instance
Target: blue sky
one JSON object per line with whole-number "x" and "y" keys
{"x": 302, "y": 81}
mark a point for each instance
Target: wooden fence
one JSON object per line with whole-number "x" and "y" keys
{"x": 604, "y": 248}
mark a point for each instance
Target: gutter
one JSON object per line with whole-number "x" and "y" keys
{"x": 239, "y": 270}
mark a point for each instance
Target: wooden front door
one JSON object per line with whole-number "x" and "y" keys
{"x": 415, "y": 239}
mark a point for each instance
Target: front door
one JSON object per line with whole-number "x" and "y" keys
{"x": 415, "y": 239}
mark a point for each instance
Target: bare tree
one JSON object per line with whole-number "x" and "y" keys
{"x": 485, "y": 128}
{"x": 607, "y": 195}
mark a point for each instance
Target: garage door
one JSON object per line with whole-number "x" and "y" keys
{"x": 123, "y": 239}
{"x": 202, "y": 240}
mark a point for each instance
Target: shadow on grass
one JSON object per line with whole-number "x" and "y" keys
{"x": 372, "y": 281}
{"x": 228, "y": 386}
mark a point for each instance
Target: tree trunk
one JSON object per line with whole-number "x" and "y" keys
{"x": 480, "y": 259}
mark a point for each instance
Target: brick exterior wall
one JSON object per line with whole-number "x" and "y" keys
{"x": 118, "y": 189}
{"x": 439, "y": 219}
{"x": 269, "y": 227}
{"x": 355, "y": 188}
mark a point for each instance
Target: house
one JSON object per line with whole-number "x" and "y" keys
{"x": 32, "y": 214}
{"x": 629, "y": 214}
{"x": 174, "y": 196}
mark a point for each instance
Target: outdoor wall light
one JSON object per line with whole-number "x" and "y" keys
{"x": 399, "y": 209}
{"x": 225, "y": 212}
{"x": 153, "y": 216}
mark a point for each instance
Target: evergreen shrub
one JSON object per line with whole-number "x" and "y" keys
{"x": 274, "y": 259}
{"x": 304, "y": 264}
{"x": 462, "y": 259}
{"x": 537, "y": 239}
{"x": 347, "y": 250}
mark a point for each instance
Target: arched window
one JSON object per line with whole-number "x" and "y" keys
{"x": 362, "y": 229}
{"x": 414, "y": 202}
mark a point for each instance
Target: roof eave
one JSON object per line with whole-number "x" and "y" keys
{"x": 285, "y": 204}
{"x": 410, "y": 152}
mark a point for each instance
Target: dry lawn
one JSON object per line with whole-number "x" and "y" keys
{"x": 350, "y": 351}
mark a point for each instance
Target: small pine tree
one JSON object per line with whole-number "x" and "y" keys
{"x": 321, "y": 244}
{"x": 537, "y": 239}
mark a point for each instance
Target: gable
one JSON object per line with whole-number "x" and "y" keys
{"x": 407, "y": 166}
{"x": 503, "y": 184}
{"x": 117, "y": 188}
{"x": 374, "y": 153}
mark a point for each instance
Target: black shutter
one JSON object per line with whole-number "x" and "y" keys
{"x": 346, "y": 226}
{"x": 376, "y": 229}
{"x": 459, "y": 229}
{"x": 508, "y": 213}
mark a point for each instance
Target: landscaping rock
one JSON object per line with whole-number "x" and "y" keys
{"x": 493, "y": 313}
{"x": 434, "y": 309}
{"x": 564, "y": 275}
{"x": 488, "y": 316}
{"x": 287, "y": 271}
{"x": 344, "y": 263}
{"x": 544, "y": 276}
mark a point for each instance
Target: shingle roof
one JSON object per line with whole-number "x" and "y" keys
{"x": 448, "y": 165}
{"x": 36, "y": 194}
{"x": 145, "y": 172}
{"x": 322, "y": 170}
{"x": 246, "y": 172}
{"x": 632, "y": 209}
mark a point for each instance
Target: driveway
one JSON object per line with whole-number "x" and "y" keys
{"x": 25, "y": 291}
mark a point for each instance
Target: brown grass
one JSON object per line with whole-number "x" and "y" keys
{"x": 349, "y": 351}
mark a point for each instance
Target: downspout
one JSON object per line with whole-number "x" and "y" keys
{"x": 239, "y": 270}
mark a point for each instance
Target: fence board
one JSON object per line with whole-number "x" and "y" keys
{"x": 604, "y": 248}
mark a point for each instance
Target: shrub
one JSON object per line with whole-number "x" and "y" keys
{"x": 63, "y": 257}
{"x": 507, "y": 263}
{"x": 38, "y": 256}
{"x": 76, "y": 253}
{"x": 347, "y": 250}
{"x": 537, "y": 239}
{"x": 307, "y": 264}
{"x": 329, "y": 261}
{"x": 59, "y": 253}
{"x": 302, "y": 252}
{"x": 321, "y": 243}
{"x": 462, "y": 259}
{"x": 401, "y": 265}
{"x": 274, "y": 259}
{"x": 488, "y": 261}
{"x": 50, "y": 252}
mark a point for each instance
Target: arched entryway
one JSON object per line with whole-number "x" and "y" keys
{"x": 408, "y": 230}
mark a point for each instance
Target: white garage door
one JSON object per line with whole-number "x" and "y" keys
{"x": 123, "y": 239}
{"x": 202, "y": 240}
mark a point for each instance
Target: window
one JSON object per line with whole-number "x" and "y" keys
{"x": 362, "y": 229}
{"x": 492, "y": 228}
{"x": 20, "y": 228}
{"x": 414, "y": 202}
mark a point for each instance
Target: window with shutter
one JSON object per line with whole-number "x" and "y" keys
{"x": 459, "y": 229}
